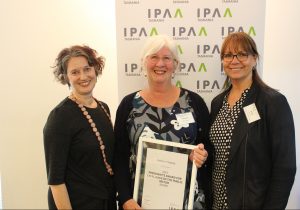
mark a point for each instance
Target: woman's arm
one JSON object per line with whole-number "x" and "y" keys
{"x": 282, "y": 138}
{"x": 61, "y": 196}
{"x": 122, "y": 152}
{"x": 57, "y": 139}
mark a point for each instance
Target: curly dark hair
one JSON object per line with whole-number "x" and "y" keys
{"x": 61, "y": 62}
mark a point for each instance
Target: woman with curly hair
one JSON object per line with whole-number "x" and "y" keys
{"x": 78, "y": 137}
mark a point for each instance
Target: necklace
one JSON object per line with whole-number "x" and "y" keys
{"x": 95, "y": 130}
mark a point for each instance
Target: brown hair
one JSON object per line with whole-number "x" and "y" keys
{"x": 241, "y": 40}
{"x": 61, "y": 62}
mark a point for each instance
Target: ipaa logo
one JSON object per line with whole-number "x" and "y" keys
{"x": 180, "y": 71}
{"x": 131, "y": 1}
{"x": 183, "y": 32}
{"x": 207, "y": 86}
{"x": 208, "y": 14}
{"x": 230, "y": 1}
{"x": 160, "y": 15}
{"x": 132, "y": 69}
{"x": 222, "y": 69}
{"x": 135, "y": 33}
{"x": 181, "y": 1}
{"x": 178, "y": 84}
{"x": 186, "y": 68}
{"x": 208, "y": 50}
{"x": 230, "y": 29}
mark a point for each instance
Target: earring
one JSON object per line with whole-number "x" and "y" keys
{"x": 61, "y": 77}
{"x": 145, "y": 72}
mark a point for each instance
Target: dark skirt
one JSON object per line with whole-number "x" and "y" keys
{"x": 86, "y": 202}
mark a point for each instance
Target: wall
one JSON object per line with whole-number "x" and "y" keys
{"x": 281, "y": 66}
{"x": 32, "y": 33}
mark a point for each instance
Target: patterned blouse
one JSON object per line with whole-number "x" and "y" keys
{"x": 161, "y": 123}
{"x": 220, "y": 136}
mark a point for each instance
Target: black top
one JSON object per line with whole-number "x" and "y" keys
{"x": 262, "y": 159}
{"x": 122, "y": 155}
{"x": 73, "y": 154}
{"x": 220, "y": 135}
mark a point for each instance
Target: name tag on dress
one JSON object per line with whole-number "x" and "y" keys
{"x": 185, "y": 118}
{"x": 251, "y": 112}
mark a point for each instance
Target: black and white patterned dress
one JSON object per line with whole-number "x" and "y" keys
{"x": 220, "y": 136}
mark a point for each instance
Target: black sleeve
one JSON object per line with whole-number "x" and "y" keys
{"x": 282, "y": 138}
{"x": 57, "y": 140}
{"x": 204, "y": 173}
{"x": 106, "y": 107}
{"x": 122, "y": 152}
{"x": 202, "y": 118}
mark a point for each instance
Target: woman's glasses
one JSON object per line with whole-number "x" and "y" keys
{"x": 240, "y": 56}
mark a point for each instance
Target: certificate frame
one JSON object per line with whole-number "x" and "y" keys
{"x": 162, "y": 145}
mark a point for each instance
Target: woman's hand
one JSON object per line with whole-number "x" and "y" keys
{"x": 199, "y": 155}
{"x": 131, "y": 205}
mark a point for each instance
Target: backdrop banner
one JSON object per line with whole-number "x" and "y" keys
{"x": 197, "y": 26}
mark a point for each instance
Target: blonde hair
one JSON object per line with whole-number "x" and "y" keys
{"x": 156, "y": 43}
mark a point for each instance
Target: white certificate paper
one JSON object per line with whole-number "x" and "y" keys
{"x": 165, "y": 173}
{"x": 165, "y": 177}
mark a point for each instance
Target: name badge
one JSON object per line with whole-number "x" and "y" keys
{"x": 251, "y": 112}
{"x": 185, "y": 118}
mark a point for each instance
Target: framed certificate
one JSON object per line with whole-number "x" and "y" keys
{"x": 165, "y": 177}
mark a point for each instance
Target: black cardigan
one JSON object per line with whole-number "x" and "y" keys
{"x": 262, "y": 159}
{"x": 122, "y": 152}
